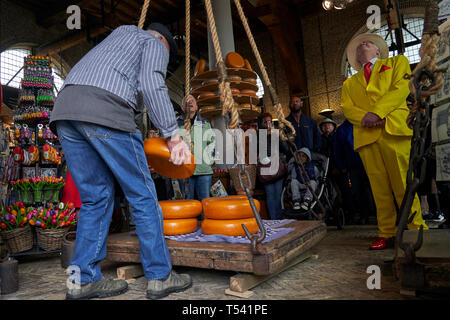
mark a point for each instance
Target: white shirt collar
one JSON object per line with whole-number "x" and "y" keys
{"x": 373, "y": 63}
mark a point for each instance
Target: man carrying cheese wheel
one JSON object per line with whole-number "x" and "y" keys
{"x": 94, "y": 116}
{"x": 374, "y": 101}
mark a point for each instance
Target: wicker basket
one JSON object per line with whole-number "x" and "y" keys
{"x": 50, "y": 239}
{"x": 18, "y": 240}
{"x": 234, "y": 173}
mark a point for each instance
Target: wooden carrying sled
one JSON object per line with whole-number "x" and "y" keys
{"x": 124, "y": 247}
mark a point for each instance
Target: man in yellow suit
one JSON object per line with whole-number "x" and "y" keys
{"x": 374, "y": 101}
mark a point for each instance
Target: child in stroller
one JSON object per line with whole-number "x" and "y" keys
{"x": 324, "y": 205}
{"x": 301, "y": 194}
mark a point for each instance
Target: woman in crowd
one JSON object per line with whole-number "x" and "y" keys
{"x": 273, "y": 184}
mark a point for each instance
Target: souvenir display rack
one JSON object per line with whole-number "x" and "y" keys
{"x": 36, "y": 150}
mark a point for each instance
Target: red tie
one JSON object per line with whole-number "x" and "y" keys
{"x": 367, "y": 71}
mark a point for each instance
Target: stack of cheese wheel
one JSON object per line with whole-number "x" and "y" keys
{"x": 234, "y": 60}
{"x": 206, "y": 94}
{"x": 247, "y": 92}
{"x": 199, "y": 67}
{"x": 180, "y": 216}
{"x": 225, "y": 215}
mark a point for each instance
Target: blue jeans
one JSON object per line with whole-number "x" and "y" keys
{"x": 201, "y": 184}
{"x": 273, "y": 196}
{"x": 95, "y": 154}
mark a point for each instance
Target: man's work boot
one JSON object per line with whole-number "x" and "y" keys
{"x": 174, "y": 282}
{"x": 100, "y": 289}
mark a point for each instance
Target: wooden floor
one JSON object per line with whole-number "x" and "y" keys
{"x": 338, "y": 272}
{"x": 124, "y": 247}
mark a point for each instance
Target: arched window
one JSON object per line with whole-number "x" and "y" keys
{"x": 412, "y": 36}
{"x": 260, "y": 92}
{"x": 12, "y": 63}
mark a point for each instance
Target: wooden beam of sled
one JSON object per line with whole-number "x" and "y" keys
{"x": 243, "y": 282}
{"x": 129, "y": 272}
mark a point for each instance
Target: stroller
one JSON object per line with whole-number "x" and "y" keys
{"x": 328, "y": 210}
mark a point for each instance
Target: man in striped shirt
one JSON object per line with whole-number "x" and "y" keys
{"x": 95, "y": 117}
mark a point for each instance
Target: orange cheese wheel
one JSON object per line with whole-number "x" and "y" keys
{"x": 234, "y": 79}
{"x": 208, "y": 108}
{"x": 180, "y": 209}
{"x": 158, "y": 156}
{"x": 223, "y": 198}
{"x": 247, "y": 106}
{"x": 248, "y": 93}
{"x": 199, "y": 67}
{"x": 234, "y": 60}
{"x": 229, "y": 227}
{"x": 173, "y": 227}
{"x": 209, "y": 82}
{"x": 250, "y": 80}
{"x": 229, "y": 209}
{"x": 206, "y": 94}
{"x": 247, "y": 65}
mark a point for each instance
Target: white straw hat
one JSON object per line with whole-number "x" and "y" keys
{"x": 372, "y": 37}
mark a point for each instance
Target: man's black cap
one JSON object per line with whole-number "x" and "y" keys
{"x": 162, "y": 29}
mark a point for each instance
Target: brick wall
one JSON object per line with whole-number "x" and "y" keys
{"x": 337, "y": 27}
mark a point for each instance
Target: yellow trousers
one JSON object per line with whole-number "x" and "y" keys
{"x": 386, "y": 163}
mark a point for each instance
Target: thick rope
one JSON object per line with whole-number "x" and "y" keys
{"x": 226, "y": 97}
{"x": 188, "y": 48}
{"x": 276, "y": 104}
{"x": 140, "y": 26}
{"x": 427, "y": 53}
{"x": 143, "y": 14}
{"x": 187, "y": 119}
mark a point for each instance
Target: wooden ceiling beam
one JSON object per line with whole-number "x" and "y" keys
{"x": 58, "y": 17}
{"x": 253, "y": 11}
{"x": 71, "y": 41}
{"x": 130, "y": 11}
{"x": 283, "y": 24}
{"x": 171, "y": 3}
{"x": 138, "y": 6}
{"x": 258, "y": 3}
{"x": 108, "y": 17}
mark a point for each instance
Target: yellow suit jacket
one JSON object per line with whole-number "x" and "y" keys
{"x": 384, "y": 95}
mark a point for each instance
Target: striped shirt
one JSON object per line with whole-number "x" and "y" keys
{"x": 131, "y": 64}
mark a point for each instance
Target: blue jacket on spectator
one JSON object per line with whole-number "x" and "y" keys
{"x": 307, "y": 133}
{"x": 309, "y": 167}
{"x": 345, "y": 155}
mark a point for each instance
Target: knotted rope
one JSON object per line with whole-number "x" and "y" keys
{"x": 140, "y": 26}
{"x": 226, "y": 97}
{"x": 276, "y": 103}
{"x": 187, "y": 118}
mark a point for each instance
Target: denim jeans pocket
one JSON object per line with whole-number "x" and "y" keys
{"x": 62, "y": 127}
{"x": 96, "y": 131}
